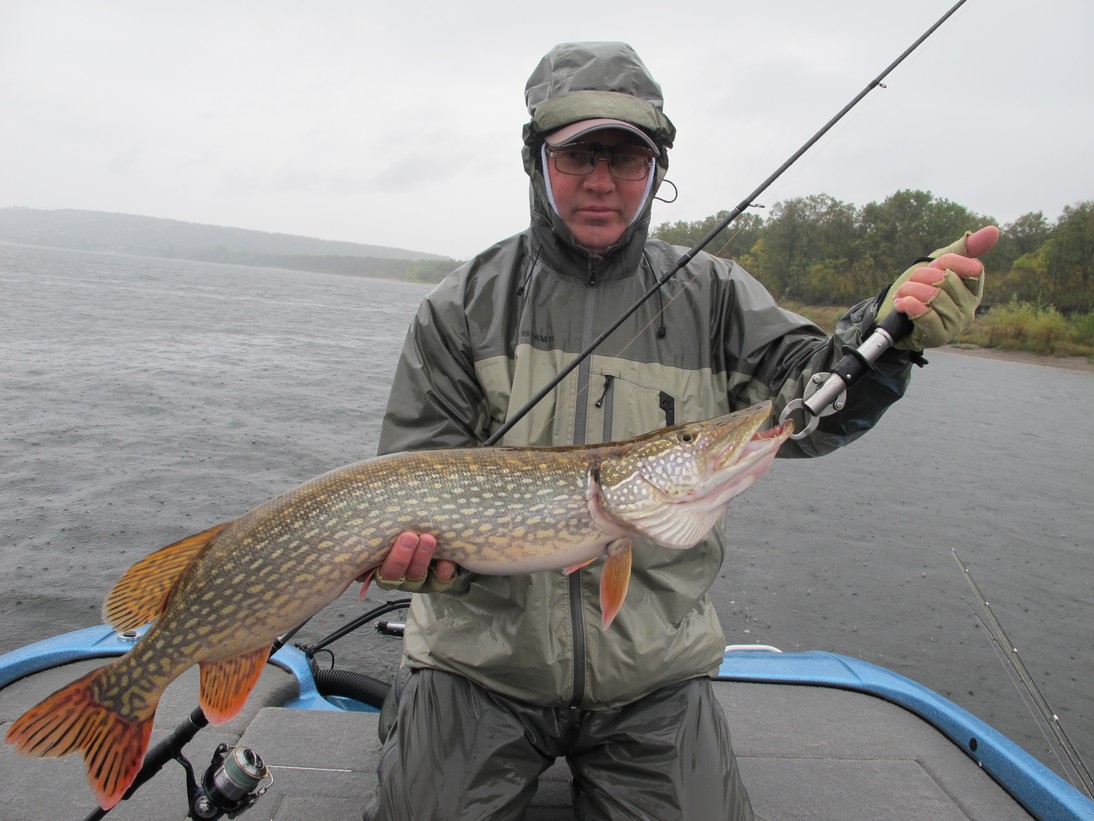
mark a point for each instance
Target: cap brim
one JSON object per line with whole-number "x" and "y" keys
{"x": 575, "y": 131}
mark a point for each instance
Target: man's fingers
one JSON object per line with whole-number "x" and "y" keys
{"x": 982, "y": 241}
{"x": 910, "y": 306}
{"x": 419, "y": 563}
{"x": 924, "y": 291}
{"x": 445, "y": 570}
{"x": 409, "y": 556}
{"x": 398, "y": 558}
{"x": 962, "y": 266}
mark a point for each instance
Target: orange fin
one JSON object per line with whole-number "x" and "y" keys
{"x": 573, "y": 568}
{"x": 225, "y": 684}
{"x": 71, "y": 720}
{"x": 365, "y": 579}
{"x": 141, "y": 594}
{"x": 614, "y": 579}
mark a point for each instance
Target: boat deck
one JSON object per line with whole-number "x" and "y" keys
{"x": 805, "y": 753}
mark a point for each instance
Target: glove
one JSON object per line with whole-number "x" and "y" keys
{"x": 945, "y": 293}
{"x": 429, "y": 583}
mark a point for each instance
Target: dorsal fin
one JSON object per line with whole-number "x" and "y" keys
{"x": 141, "y": 594}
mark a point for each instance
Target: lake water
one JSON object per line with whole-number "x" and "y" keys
{"x": 142, "y": 400}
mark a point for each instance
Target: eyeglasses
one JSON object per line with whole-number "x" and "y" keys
{"x": 625, "y": 162}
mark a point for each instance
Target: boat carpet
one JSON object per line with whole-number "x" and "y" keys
{"x": 805, "y": 753}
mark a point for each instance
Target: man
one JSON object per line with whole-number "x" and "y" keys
{"x": 504, "y": 674}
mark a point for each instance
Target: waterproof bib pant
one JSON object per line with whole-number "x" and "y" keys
{"x": 457, "y": 751}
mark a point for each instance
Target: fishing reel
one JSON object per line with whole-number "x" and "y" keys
{"x": 233, "y": 782}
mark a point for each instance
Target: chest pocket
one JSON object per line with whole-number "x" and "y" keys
{"x": 623, "y": 408}
{"x": 628, "y": 399}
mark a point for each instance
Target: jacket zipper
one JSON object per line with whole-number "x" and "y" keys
{"x": 581, "y": 418}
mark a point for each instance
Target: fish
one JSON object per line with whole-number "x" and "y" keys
{"x": 220, "y": 598}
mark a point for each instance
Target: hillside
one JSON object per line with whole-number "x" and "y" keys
{"x": 152, "y": 236}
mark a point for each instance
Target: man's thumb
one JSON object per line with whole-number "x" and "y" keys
{"x": 982, "y": 241}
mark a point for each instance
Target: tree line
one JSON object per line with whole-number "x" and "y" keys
{"x": 410, "y": 270}
{"x": 817, "y": 250}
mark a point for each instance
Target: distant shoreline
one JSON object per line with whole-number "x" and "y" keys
{"x": 1070, "y": 363}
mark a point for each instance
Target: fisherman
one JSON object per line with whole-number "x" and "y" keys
{"x": 502, "y": 675}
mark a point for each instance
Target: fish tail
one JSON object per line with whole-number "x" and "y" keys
{"x": 73, "y": 720}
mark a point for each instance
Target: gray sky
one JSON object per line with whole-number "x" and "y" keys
{"x": 399, "y": 123}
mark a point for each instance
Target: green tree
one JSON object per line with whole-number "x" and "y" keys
{"x": 730, "y": 243}
{"x": 1058, "y": 272}
{"x": 1023, "y": 236}
{"x": 904, "y": 227}
{"x": 1071, "y": 259}
{"x": 820, "y": 251}
{"x": 806, "y": 237}
{"x": 1027, "y": 281}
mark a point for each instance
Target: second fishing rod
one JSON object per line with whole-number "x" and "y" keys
{"x": 890, "y": 332}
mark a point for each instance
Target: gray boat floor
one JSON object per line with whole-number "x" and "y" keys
{"x": 804, "y": 753}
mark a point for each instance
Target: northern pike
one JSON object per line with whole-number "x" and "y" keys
{"x": 498, "y": 511}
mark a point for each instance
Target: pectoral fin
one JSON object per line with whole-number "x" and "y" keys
{"x": 365, "y": 579}
{"x": 573, "y": 568}
{"x": 614, "y": 579}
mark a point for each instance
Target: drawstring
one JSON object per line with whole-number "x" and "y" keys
{"x": 599, "y": 403}
{"x": 662, "y": 331}
{"x": 531, "y": 269}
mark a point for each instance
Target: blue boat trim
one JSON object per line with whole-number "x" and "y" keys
{"x": 1041, "y": 791}
{"x": 293, "y": 660}
{"x": 90, "y": 642}
{"x": 103, "y": 641}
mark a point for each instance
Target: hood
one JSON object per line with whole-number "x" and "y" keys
{"x": 579, "y": 81}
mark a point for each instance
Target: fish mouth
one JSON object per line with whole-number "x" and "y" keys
{"x": 739, "y": 450}
{"x": 738, "y": 468}
{"x": 735, "y": 457}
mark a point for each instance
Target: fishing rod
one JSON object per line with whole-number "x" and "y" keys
{"x": 722, "y": 225}
{"x": 235, "y": 779}
{"x": 1002, "y": 641}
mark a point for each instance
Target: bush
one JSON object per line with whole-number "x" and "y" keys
{"x": 1023, "y": 326}
{"x": 1015, "y": 326}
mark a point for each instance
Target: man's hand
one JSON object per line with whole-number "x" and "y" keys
{"x": 941, "y": 298}
{"x": 407, "y": 567}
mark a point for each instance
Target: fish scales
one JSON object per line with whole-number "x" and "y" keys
{"x": 219, "y": 598}
{"x": 509, "y": 514}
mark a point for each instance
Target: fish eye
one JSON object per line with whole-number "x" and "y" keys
{"x": 685, "y": 436}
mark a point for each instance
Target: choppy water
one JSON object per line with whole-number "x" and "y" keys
{"x": 142, "y": 400}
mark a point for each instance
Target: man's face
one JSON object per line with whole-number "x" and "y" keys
{"x": 597, "y": 207}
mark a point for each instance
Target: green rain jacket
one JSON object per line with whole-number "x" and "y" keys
{"x": 495, "y": 331}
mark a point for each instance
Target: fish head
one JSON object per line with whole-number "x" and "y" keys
{"x": 673, "y": 485}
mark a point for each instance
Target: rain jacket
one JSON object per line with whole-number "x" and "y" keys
{"x": 713, "y": 340}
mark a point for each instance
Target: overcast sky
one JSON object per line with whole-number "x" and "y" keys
{"x": 399, "y": 123}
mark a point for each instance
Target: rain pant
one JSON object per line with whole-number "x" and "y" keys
{"x": 686, "y": 769}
